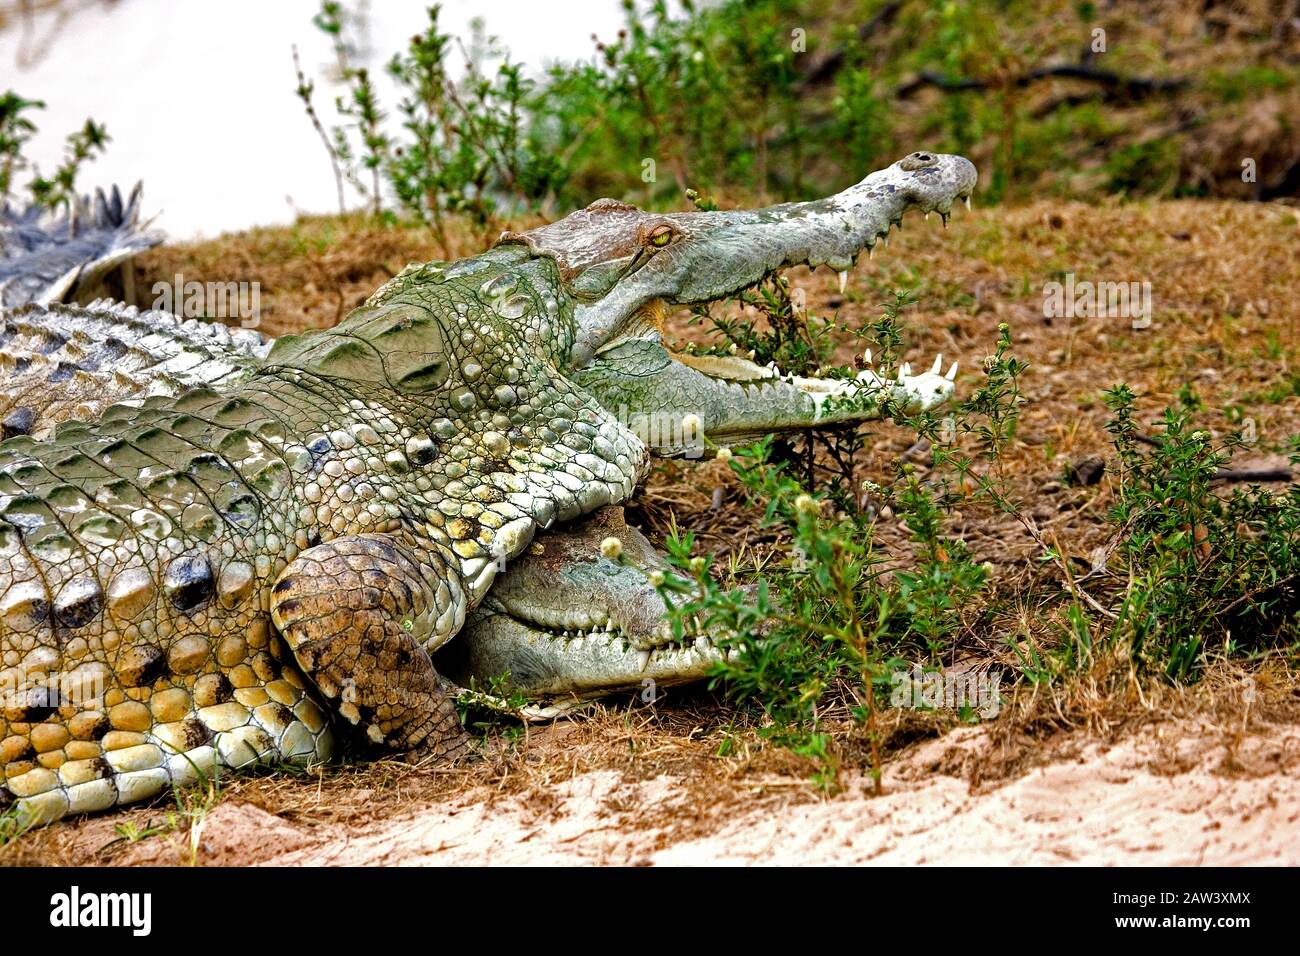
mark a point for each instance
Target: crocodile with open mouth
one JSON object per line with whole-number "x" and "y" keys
{"x": 227, "y": 575}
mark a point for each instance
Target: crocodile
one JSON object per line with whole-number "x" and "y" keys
{"x": 227, "y": 576}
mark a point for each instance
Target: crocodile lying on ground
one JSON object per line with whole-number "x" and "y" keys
{"x": 191, "y": 582}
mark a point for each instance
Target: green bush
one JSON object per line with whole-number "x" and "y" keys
{"x": 838, "y": 615}
{"x": 1203, "y": 571}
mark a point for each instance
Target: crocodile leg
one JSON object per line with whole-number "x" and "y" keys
{"x": 357, "y": 613}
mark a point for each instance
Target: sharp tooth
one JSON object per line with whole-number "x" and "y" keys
{"x": 643, "y": 658}
{"x": 871, "y": 252}
{"x": 952, "y": 373}
{"x": 944, "y": 217}
{"x": 927, "y": 217}
{"x": 844, "y": 280}
{"x": 967, "y": 198}
{"x": 938, "y": 364}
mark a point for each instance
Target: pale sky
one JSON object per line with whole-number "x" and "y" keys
{"x": 198, "y": 96}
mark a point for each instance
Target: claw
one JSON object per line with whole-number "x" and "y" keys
{"x": 905, "y": 370}
{"x": 952, "y": 373}
{"x": 866, "y": 356}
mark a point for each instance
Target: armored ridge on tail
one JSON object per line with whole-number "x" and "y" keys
{"x": 48, "y": 260}
{"x": 184, "y": 584}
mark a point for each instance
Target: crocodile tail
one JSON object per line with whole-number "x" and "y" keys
{"x": 62, "y": 259}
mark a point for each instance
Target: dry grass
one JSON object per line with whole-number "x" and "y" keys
{"x": 1226, "y": 289}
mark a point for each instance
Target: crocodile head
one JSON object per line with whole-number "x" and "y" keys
{"x": 624, "y": 268}
{"x": 566, "y": 621}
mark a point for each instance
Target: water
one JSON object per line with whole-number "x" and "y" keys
{"x": 198, "y": 97}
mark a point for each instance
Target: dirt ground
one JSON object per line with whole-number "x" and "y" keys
{"x": 629, "y": 788}
{"x": 1103, "y": 770}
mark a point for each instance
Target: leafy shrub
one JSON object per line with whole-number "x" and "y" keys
{"x": 834, "y": 618}
{"x": 1202, "y": 570}
{"x": 462, "y": 145}
{"x": 17, "y": 129}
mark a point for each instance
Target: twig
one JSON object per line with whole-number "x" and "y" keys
{"x": 305, "y": 88}
{"x": 1253, "y": 474}
{"x": 1115, "y": 84}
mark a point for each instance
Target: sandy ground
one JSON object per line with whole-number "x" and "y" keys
{"x": 1180, "y": 793}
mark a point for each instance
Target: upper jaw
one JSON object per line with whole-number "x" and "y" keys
{"x": 724, "y": 252}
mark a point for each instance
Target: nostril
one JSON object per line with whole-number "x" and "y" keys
{"x": 914, "y": 162}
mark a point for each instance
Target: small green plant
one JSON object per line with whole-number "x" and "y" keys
{"x": 16, "y": 129}
{"x": 194, "y": 803}
{"x": 824, "y": 630}
{"x": 1200, "y": 569}
{"x": 58, "y": 191}
{"x": 494, "y": 708}
{"x": 133, "y": 831}
{"x": 13, "y": 824}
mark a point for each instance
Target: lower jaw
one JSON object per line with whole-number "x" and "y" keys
{"x": 591, "y": 665}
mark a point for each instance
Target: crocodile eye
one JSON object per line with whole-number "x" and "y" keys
{"x": 660, "y": 236}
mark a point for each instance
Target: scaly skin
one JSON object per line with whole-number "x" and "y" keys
{"x": 163, "y": 569}
{"x": 607, "y": 616}
{"x": 193, "y": 582}
{"x": 63, "y": 362}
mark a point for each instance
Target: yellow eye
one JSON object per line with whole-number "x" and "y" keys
{"x": 661, "y": 237}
